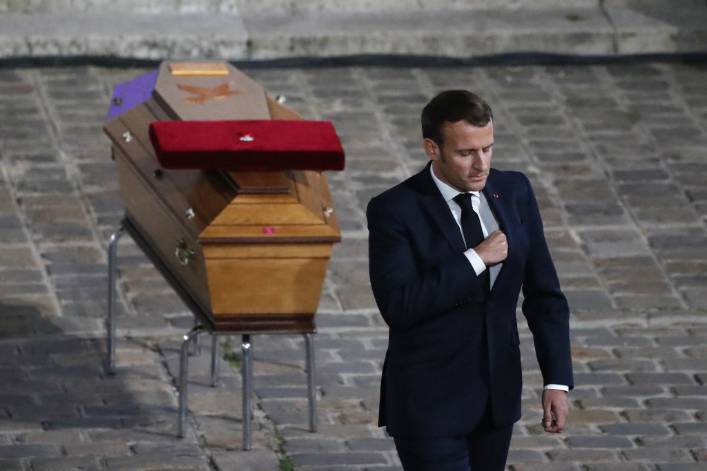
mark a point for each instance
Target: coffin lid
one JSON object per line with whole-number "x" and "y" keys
{"x": 208, "y": 91}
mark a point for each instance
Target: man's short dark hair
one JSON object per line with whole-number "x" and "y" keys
{"x": 452, "y": 106}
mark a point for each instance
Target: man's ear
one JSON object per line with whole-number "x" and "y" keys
{"x": 431, "y": 149}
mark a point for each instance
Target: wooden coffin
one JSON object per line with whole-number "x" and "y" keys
{"x": 248, "y": 249}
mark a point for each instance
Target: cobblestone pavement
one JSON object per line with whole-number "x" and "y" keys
{"x": 618, "y": 158}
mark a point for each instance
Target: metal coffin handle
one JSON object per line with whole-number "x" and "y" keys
{"x": 184, "y": 253}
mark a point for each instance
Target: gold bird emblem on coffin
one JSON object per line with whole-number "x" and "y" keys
{"x": 201, "y": 95}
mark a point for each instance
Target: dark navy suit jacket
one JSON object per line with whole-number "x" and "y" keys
{"x": 438, "y": 374}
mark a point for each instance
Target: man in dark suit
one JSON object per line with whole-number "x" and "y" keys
{"x": 450, "y": 249}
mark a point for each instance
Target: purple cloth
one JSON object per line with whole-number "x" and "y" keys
{"x": 129, "y": 94}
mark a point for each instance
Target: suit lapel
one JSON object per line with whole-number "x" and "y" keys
{"x": 438, "y": 209}
{"x": 498, "y": 205}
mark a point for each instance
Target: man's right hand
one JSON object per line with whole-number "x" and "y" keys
{"x": 494, "y": 249}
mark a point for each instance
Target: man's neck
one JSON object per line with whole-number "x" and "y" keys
{"x": 447, "y": 190}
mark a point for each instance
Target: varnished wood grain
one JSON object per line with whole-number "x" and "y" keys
{"x": 292, "y": 250}
{"x": 161, "y": 230}
{"x": 266, "y": 214}
{"x": 265, "y": 285}
{"x": 261, "y": 234}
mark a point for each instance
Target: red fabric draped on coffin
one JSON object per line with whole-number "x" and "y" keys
{"x": 248, "y": 145}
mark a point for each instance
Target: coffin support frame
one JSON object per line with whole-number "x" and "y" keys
{"x": 190, "y": 343}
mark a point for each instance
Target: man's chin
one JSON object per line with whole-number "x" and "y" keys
{"x": 476, "y": 185}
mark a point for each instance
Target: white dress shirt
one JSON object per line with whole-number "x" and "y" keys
{"x": 448, "y": 193}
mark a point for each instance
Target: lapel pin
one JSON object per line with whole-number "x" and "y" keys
{"x": 496, "y": 195}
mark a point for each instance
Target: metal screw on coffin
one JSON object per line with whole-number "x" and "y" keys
{"x": 189, "y": 214}
{"x": 127, "y": 136}
{"x": 328, "y": 211}
{"x": 281, "y": 99}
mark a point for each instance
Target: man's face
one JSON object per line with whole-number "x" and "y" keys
{"x": 464, "y": 158}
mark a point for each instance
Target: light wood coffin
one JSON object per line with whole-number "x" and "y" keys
{"x": 249, "y": 249}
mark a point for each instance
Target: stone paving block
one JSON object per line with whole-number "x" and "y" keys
{"x": 635, "y": 428}
{"x": 659, "y": 378}
{"x": 620, "y": 364}
{"x": 696, "y": 298}
{"x": 11, "y": 465}
{"x": 655, "y": 415}
{"x": 558, "y": 466}
{"x": 652, "y": 455}
{"x": 647, "y": 302}
{"x": 679, "y": 402}
{"x": 599, "y": 441}
{"x": 647, "y": 352}
{"x": 317, "y": 443}
{"x": 19, "y": 256}
{"x": 617, "y": 467}
{"x": 253, "y": 460}
{"x": 614, "y": 242}
{"x": 156, "y": 463}
{"x": 699, "y": 428}
{"x": 584, "y": 456}
{"x": 611, "y": 402}
{"x": 351, "y": 458}
{"x": 525, "y": 456}
{"x": 67, "y": 464}
{"x": 595, "y": 415}
{"x": 98, "y": 449}
{"x": 673, "y": 442}
{"x": 30, "y": 451}
{"x": 588, "y": 299}
{"x": 599, "y": 378}
{"x": 681, "y": 466}
{"x": 685, "y": 391}
{"x": 332, "y": 468}
{"x": 371, "y": 444}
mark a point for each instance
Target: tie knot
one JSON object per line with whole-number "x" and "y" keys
{"x": 464, "y": 201}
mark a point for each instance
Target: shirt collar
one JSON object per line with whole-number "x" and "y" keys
{"x": 448, "y": 192}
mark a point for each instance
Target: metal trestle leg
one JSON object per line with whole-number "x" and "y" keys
{"x": 215, "y": 360}
{"x": 311, "y": 385}
{"x": 110, "y": 320}
{"x": 183, "y": 377}
{"x": 247, "y": 376}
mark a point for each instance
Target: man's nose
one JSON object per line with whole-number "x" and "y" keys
{"x": 480, "y": 161}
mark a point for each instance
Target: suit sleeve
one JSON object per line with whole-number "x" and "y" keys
{"x": 405, "y": 295}
{"x": 544, "y": 305}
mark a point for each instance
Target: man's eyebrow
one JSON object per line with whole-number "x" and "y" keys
{"x": 471, "y": 148}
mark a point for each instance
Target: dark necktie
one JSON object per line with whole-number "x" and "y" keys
{"x": 471, "y": 227}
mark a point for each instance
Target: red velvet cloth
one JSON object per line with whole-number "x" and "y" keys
{"x": 258, "y": 145}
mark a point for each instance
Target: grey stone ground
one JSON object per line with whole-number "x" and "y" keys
{"x": 618, "y": 157}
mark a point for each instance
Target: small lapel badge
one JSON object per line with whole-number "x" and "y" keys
{"x": 497, "y": 195}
